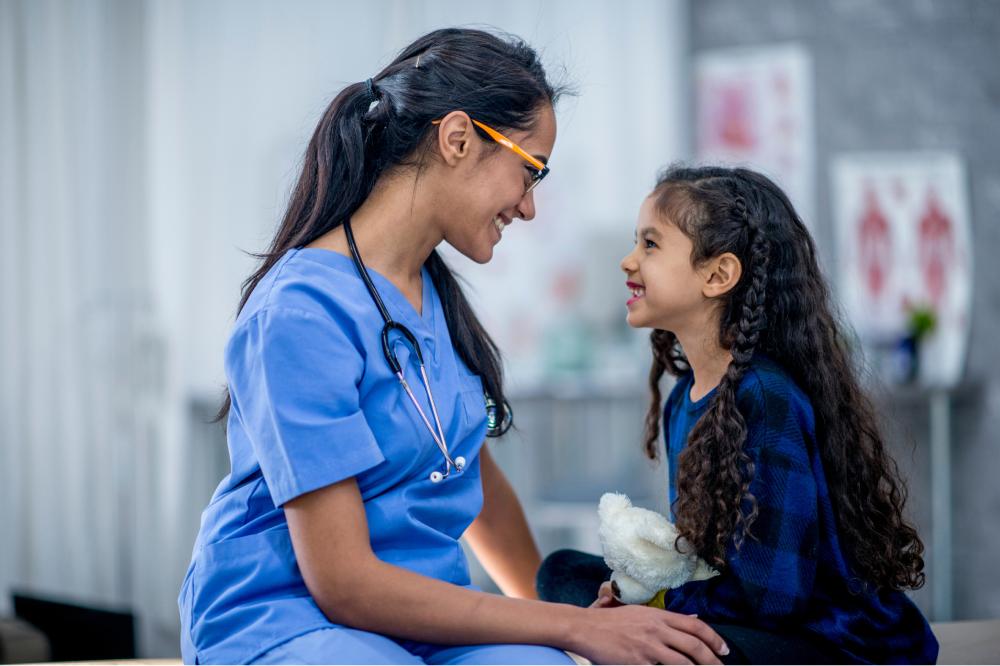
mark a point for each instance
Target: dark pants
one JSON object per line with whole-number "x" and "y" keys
{"x": 572, "y": 577}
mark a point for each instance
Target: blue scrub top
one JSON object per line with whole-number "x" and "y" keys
{"x": 314, "y": 402}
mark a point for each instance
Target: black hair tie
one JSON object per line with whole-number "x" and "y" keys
{"x": 371, "y": 91}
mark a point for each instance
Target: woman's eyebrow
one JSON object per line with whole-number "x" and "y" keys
{"x": 544, "y": 159}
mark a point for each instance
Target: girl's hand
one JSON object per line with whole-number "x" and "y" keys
{"x": 622, "y": 634}
{"x": 606, "y": 597}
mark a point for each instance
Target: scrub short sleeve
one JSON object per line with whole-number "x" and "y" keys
{"x": 293, "y": 377}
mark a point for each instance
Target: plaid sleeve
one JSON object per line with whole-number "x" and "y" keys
{"x": 771, "y": 577}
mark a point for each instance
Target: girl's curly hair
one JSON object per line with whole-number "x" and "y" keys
{"x": 781, "y": 307}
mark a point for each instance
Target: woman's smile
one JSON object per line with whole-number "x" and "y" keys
{"x": 499, "y": 223}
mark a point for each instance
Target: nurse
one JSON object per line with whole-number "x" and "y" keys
{"x": 335, "y": 538}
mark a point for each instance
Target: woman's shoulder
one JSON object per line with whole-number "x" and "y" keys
{"x": 302, "y": 313}
{"x": 307, "y": 300}
{"x": 307, "y": 283}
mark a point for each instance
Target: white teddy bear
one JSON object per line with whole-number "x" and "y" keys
{"x": 639, "y": 548}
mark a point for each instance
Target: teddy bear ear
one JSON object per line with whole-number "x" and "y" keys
{"x": 613, "y": 503}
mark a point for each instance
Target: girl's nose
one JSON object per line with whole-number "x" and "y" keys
{"x": 628, "y": 263}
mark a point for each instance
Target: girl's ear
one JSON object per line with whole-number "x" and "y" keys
{"x": 454, "y": 137}
{"x": 721, "y": 274}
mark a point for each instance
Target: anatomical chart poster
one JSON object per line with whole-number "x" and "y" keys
{"x": 754, "y": 108}
{"x": 903, "y": 245}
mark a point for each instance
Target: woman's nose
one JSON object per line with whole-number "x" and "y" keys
{"x": 526, "y": 207}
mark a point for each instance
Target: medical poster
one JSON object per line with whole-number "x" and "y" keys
{"x": 904, "y": 248}
{"x": 754, "y": 108}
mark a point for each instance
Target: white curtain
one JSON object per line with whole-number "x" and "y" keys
{"x": 81, "y": 385}
{"x": 143, "y": 145}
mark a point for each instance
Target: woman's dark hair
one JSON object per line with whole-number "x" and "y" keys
{"x": 781, "y": 307}
{"x": 498, "y": 80}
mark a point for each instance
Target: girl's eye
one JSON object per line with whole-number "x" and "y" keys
{"x": 648, "y": 243}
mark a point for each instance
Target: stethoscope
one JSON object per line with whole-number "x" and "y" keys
{"x": 493, "y": 429}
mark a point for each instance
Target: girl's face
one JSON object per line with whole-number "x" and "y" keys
{"x": 665, "y": 290}
{"x": 487, "y": 192}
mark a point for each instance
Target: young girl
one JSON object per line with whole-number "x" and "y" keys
{"x": 778, "y": 471}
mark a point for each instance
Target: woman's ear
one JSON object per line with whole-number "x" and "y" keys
{"x": 454, "y": 138}
{"x": 721, "y": 274}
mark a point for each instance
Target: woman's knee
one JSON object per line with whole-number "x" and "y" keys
{"x": 503, "y": 654}
{"x": 338, "y": 645}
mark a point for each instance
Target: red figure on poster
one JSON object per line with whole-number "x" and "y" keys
{"x": 730, "y": 124}
{"x": 874, "y": 245}
{"x": 936, "y": 244}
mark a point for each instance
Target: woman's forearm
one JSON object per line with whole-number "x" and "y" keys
{"x": 387, "y": 599}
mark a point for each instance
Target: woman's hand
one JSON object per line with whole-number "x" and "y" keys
{"x": 640, "y": 635}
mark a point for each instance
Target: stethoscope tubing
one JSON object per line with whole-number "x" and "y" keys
{"x": 390, "y": 356}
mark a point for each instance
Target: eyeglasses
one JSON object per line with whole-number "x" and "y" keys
{"x": 539, "y": 170}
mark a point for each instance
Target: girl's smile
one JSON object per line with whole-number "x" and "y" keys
{"x": 638, "y": 291}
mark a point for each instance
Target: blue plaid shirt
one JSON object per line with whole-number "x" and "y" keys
{"x": 791, "y": 574}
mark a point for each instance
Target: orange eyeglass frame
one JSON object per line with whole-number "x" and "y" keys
{"x": 541, "y": 169}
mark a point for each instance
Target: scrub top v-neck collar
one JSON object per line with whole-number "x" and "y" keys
{"x": 400, "y": 307}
